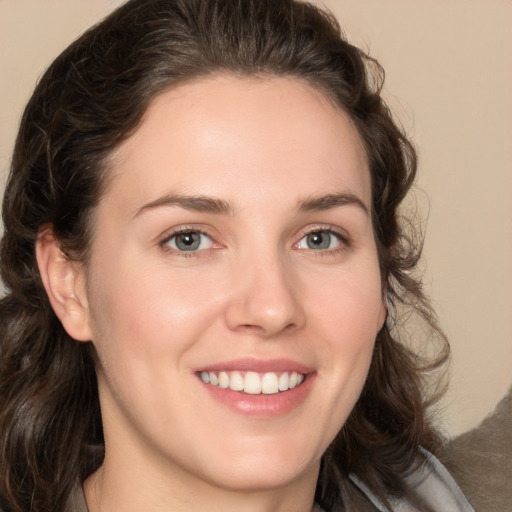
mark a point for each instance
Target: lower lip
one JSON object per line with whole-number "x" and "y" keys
{"x": 262, "y": 406}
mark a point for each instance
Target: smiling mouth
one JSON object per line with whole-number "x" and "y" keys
{"x": 253, "y": 383}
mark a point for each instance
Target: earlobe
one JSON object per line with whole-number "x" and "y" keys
{"x": 64, "y": 281}
{"x": 383, "y": 315}
{"x": 384, "y": 309}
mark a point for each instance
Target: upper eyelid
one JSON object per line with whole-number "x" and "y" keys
{"x": 171, "y": 232}
{"x": 342, "y": 233}
{"x": 165, "y": 245}
{"x": 183, "y": 231}
{"x": 344, "y": 239}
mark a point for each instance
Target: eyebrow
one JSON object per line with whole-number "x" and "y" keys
{"x": 196, "y": 203}
{"x": 207, "y": 204}
{"x": 328, "y": 201}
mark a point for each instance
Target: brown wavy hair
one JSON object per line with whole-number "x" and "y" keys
{"x": 92, "y": 98}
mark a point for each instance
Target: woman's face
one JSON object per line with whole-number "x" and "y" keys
{"x": 233, "y": 247}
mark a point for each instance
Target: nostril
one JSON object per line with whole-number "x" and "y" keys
{"x": 267, "y": 330}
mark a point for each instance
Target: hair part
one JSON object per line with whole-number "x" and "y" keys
{"x": 93, "y": 97}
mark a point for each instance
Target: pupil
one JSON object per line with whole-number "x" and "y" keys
{"x": 188, "y": 241}
{"x": 319, "y": 240}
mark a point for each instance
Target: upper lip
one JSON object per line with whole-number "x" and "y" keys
{"x": 257, "y": 365}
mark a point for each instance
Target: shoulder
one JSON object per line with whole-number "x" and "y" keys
{"x": 481, "y": 459}
{"x": 432, "y": 483}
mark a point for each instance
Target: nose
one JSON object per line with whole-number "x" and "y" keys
{"x": 266, "y": 300}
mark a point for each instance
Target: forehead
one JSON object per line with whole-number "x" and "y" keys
{"x": 215, "y": 134}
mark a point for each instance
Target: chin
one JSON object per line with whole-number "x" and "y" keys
{"x": 264, "y": 465}
{"x": 239, "y": 478}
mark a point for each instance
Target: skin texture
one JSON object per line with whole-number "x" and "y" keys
{"x": 256, "y": 289}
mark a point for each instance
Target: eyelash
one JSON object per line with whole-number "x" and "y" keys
{"x": 344, "y": 241}
{"x": 164, "y": 243}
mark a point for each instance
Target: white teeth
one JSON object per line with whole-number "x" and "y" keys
{"x": 236, "y": 382}
{"x": 284, "y": 379}
{"x": 269, "y": 384}
{"x": 223, "y": 380}
{"x": 253, "y": 383}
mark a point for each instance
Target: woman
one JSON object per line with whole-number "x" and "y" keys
{"x": 204, "y": 268}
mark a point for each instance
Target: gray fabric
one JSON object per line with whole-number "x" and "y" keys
{"x": 431, "y": 480}
{"x": 481, "y": 460}
{"x": 79, "y": 504}
{"x": 433, "y": 483}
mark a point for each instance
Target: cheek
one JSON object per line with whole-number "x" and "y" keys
{"x": 146, "y": 326}
{"x": 350, "y": 303}
{"x": 346, "y": 312}
{"x": 349, "y": 313}
{"x": 150, "y": 311}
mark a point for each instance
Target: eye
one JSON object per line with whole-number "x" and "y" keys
{"x": 189, "y": 241}
{"x": 320, "y": 240}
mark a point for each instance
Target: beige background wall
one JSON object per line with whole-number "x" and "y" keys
{"x": 449, "y": 79}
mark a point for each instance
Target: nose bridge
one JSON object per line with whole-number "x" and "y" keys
{"x": 266, "y": 299}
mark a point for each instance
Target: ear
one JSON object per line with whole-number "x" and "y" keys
{"x": 64, "y": 281}
{"x": 383, "y": 313}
